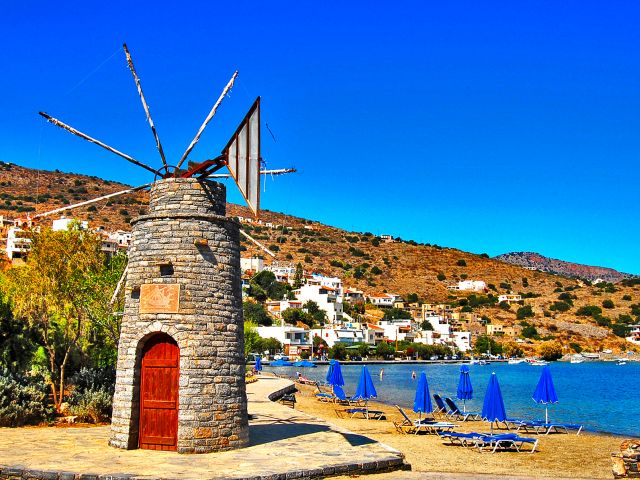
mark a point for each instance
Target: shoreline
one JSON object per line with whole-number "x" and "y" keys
{"x": 558, "y": 455}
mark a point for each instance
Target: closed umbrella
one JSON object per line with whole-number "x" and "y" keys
{"x": 334, "y": 375}
{"x": 365, "y": 389}
{"x": 422, "y": 402}
{"x": 465, "y": 390}
{"x": 545, "y": 391}
{"x": 493, "y": 407}
{"x": 258, "y": 365}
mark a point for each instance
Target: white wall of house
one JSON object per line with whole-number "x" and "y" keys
{"x": 256, "y": 265}
{"x": 326, "y": 299}
{"x": 289, "y": 336}
{"x": 17, "y": 243}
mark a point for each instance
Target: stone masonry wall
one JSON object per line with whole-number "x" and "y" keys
{"x": 186, "y": 229}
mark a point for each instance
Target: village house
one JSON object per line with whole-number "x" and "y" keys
{"x": 469, "y": 285}
{"x": 634, "y": 334}
{"x": 510, "y": 298}
{"x": 342, "y": 334}
{"x": 251, "y": 266}
{"x": 353, "y": 295}
{"x": 383, "y": 299}
{"x": 327, "y": 298}
{"x": 295, "y": 340}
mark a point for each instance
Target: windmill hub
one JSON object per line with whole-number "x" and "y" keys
{"x": 180, "y": 375}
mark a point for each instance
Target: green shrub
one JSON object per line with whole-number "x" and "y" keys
{"x": 91, "y": 406}
{"x": 560, "y": 306}
{"x": 626, "y": 298}
{"x": 524, "y": 312}
{"x": 461, "y": 263}
{"x": 575, "y": 347}
{"x": 23, "y": 401}
{"x": 589, "y": 311}
{"x": 607, "y": 304}
{"x": 442, "y": 277}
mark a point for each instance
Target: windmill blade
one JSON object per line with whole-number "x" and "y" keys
{"x": 208, "y": 119}
{"x": 72, "y": 130}
{"x": 93, "y": 200}
{"x": 144, "y": 104}
{"x": 258, "y": 243}
{"x": 280, "y": 171}
{"x": 119, "y": 286}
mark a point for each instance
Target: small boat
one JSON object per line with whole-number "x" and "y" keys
{"x": 621, "y": 361}
{"x": 537, "y": 363}
{"x": 516, "y": 361}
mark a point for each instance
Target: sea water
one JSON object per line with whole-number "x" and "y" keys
{"x": 602, "y": 396}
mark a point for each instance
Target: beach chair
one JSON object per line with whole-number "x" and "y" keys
{"x": 427, "y": 425}
{"x": 547, "y": 427}
{"x": 441, "y": 408}
{"x": 464, "y": 439}
{"x": 455, "y": 412}
{"x": 342, "y": 398}
{"x": 364, "y": 411}
{"x": 504, "y": 441}
{"x": 323, "y": 396}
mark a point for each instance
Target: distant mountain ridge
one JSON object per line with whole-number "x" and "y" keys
{"x": 539, "y": 262}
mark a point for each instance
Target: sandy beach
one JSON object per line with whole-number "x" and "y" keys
{"x": 559, "y": 455}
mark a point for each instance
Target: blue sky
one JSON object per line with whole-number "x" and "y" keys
{"x": 485, "y": 126}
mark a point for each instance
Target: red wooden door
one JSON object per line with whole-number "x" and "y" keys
{"x": 159, "y": 394}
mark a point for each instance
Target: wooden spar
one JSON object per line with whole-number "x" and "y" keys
{"x": 118, "y": 286}
{"x": 72, "y": 130}
{"x": 280, "y": 171}
{"x": 208, "y": 119}
{"x": 93, "y": 200}
{"x": 144, "y": 104}
{"x": 258, "y": 243}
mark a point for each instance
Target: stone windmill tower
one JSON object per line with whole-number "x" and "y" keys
{"x": 180, "y": 372}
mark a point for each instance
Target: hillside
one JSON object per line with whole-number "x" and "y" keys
{"x": 560, "y": 267}
{"x": 365, "y": 261}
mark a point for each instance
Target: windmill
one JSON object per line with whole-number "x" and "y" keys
{"x": 241, "y": 156}
{"x": 180, "y": 371}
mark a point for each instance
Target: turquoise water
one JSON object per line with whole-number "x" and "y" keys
{"x": 602, "y": 396}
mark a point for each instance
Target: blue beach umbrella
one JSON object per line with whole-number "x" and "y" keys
{"x": 365, "y": 389}
{"x": 258, "y": 365}
{"x": 465, "y": 390}
{"x": 493, "y": 407}
{"x": 334, "y": 375}
{"x": 545, "y": 391}
{"x": 422, "y": 402}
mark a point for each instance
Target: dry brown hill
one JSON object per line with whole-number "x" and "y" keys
{"x": 361, "y": 259}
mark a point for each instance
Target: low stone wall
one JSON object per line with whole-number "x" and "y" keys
{"x": 626, "y": 463}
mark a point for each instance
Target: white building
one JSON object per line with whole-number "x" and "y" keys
{"x": 122, "y": 238}
{"x": 254, "y": 265}
{"x": 332, "y": 282}
{"x": 276, "y": 307}
{"x": 353, "y": 295}
{"x": 294, "y": 340}
{"x": 399, "y": 329}
{"x": 634, "y": 334}
{"x": 327, "y": 298}
{"x": 469, "y": 285}
{"x": 510, "y": 298}
{"x": 345, "y": 335}
{"x": 383, "y": 299}
{"x": 285, "y": 273}
{"x": 18, "y": 245}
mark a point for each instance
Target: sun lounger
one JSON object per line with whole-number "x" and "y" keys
{"x": 427, "y": 425}
{"x": 504, "y": 441}
{"x": 455, "y": 412}
{"x": 440, "y": 406}
{"x": 361, "y": 411}
{"x": 464, "y": 439}
{"x": 546, "y": 428}
{"x": 342, "y": 398}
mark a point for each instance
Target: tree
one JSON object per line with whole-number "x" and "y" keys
{"x": 560, "y": 306}
{"x": 318, "y": 315}
{"x": 550, "y": 350}
{"x": 485, "y": 344}
{"x": 413, "y": 298}
{"x": 272, "y": 345}
{"x": 607, "y": 304}
{"x": 16, "y": 342}
{"x": 504, "y": 305}
{"x": 294, "y": 315}
{"x": 384, "y": 350}
{"x": 589, "y": 311}
{"x": 255, "y": 313}
{"x": 338, "y": 351}
{"x": 396, "y": 313}
{"x": 442, "y": 277}
{"x": 524, "y": 312}
{"x": 511, "y": 349}
{"x": 461, "y": 263}
{"x": 298, "y": 277}
{"x": 53, "y": 293}
{"x": 251, "y": 338}
{"x": 426, "y": 325}
{"x": 529, "y": 331}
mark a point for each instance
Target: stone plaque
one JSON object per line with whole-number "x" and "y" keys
{"x": 159, "y": 298}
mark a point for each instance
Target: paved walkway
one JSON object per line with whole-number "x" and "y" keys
{"x": 285, "y": 443}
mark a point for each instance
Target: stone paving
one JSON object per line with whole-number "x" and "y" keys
{"x": 284, "y": 444}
